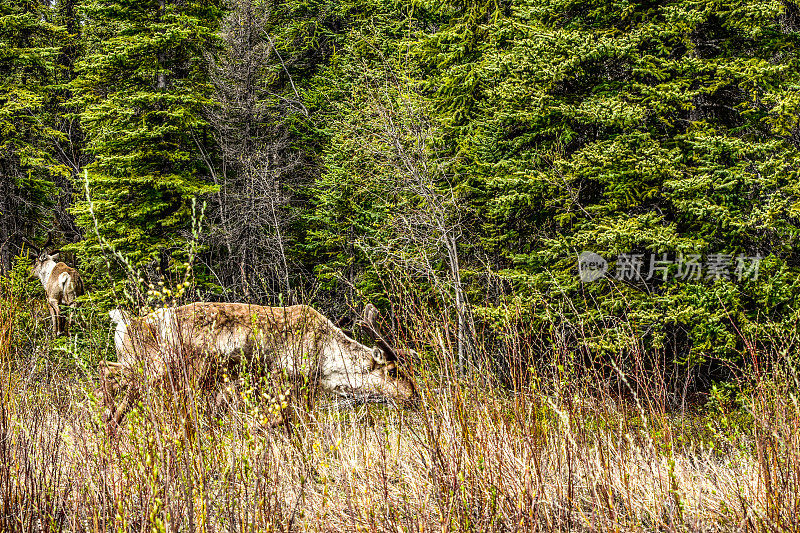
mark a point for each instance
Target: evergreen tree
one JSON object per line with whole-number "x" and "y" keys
{"x": 353, "y": 198}
{"x": 68, "y": 146}
{"x": 29, "y": 45}
{"x": 646, "y": 128}
{"x": 142, "y": 86}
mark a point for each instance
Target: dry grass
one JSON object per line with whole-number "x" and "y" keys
{"x": 465, "y": 460}
{"x": 472, "y": 456}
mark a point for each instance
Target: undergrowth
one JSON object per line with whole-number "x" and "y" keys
{"x": 550, "y": 445}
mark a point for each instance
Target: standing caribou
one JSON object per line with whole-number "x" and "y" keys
{"x": 193, "y": 345}
{"x": 62, "y": 284}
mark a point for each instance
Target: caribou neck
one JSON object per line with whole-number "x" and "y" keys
{"x": 46, "y": 271}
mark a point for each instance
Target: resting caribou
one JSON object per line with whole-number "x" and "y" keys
{"x": 62, "y": 284}
{"x": 195, "y": 343}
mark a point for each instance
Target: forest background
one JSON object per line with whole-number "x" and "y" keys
{"x": 455, "y": 155}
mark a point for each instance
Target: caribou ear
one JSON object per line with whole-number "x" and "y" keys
{"x": 379, "y": 356}
{"x": 407, "y": 354}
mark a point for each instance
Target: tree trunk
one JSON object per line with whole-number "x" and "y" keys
{"x": 464, "y": 334}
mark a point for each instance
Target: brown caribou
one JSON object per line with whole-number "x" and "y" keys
{"x": 195, "y": 344}
{"x": 62, "y": 284}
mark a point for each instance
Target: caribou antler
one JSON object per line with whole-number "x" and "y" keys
{"x": 48, "y": 242}
{"x": 43, "y": 248}
{"x": 368, "y": 324}
{"x": 35, "y": 248}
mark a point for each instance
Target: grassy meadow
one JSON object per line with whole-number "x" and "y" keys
{"x": 555, "y": 447}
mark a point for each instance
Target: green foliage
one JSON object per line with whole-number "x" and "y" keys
{"x": 383, "y": 202}
{"x": 353, "y": 198}
{"x": 21, "y": 284}
{"x": 642, "y": 128}
{"x": 142, "y": 87}
{"x": 29, "y": 44}
{"x": 473, "y": 149}
{"x": 30, "y": 322}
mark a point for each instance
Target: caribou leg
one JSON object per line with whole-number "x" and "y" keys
{"x": 55, "y": 316}
{"x": 134, "y": 392}
{"x": 68, "y": 326}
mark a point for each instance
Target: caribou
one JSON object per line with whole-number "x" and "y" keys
{"x": 62, "y": 284}
{"x": 195, "y": 345}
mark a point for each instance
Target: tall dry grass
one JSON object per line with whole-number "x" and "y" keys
{"x": 555, "y": 449}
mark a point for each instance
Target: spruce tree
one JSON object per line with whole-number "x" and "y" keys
{"x": 646, "y": 128}
{"x": 353, "y": 198}
{"x": 29, "y": 45}
{"x": 68, "y": 147}
{"x": 142, "y": 86}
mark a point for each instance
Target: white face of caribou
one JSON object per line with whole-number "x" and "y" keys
{"x": 352, "y": 368}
